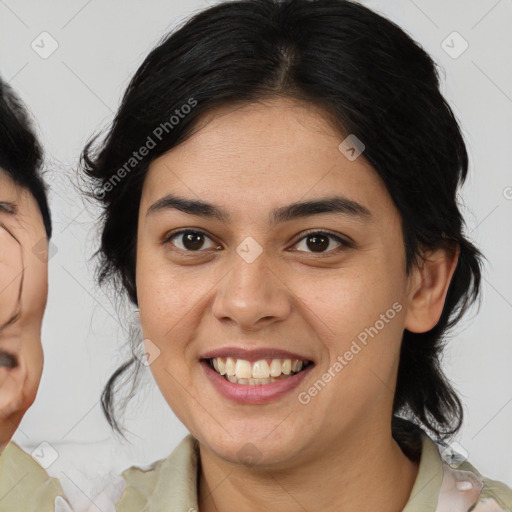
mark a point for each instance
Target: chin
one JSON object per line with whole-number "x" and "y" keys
{"x": 251, "y": 446}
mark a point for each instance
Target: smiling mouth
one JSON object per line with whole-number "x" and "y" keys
{"x": 264, "y": 371}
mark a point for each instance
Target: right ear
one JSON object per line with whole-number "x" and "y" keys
{"x": 429, "y": 286}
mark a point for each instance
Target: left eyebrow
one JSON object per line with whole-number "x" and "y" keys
{"x": 334, "y": 204}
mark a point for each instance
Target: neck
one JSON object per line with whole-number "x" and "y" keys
{"x": 364, "y": 472}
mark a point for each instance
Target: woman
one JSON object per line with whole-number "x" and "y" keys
{"x": 279, "y": 202}
{"x": 25, "y": 229}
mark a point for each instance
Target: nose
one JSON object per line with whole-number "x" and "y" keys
{"x": 251, "y": 295}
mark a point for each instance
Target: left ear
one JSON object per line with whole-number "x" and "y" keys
{"x": 429, "y": 286}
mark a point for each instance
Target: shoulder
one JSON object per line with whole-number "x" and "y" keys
{"x": 447, "y": 481}
{"x": 169, "y": 481}
{"x": 24, "y": 484}
{"x": 494, "y": 496}
{"x": 491, "y": 495}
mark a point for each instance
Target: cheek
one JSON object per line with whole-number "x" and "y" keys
{"x": 165, "y": 303}
{"x": 350, "y": 300}
{"x": 168, "y": 299}
{"x": 35, "y": 290}
{"x": 358, "y": 316}
{"x": 163, "y": 299}
{"x": 35, "y": 275}
{"x": 11, "y": 271}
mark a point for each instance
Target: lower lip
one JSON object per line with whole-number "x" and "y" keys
{"x": 257, "y": 393}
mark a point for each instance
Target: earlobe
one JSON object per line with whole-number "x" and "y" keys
{"x": 428, "y": 294}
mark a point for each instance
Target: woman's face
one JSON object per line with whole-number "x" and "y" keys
{"x": 23, "y": 292}
{"x": 251, "y": 280}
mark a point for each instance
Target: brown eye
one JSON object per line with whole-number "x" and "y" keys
{"x": 191, "y": 241}
{"x": 319, "y": 241}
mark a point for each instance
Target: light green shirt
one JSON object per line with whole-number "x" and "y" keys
{"x": 24, "y": 484}
{"x": 171, "y": 484}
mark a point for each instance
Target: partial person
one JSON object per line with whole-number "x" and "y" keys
{"x": 25, "y": 232}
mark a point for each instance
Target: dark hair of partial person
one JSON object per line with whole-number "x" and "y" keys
{"x": 21, "y": 155}
{"x": 371, "y": 80}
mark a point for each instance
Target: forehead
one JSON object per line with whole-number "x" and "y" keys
{"x": 7, "y": 184}
{"x": 259, "y": 156}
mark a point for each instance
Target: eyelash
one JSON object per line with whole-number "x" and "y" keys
{"x": 344, "y": 244}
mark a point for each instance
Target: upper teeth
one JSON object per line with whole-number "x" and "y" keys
{"x": 261, "y": 369}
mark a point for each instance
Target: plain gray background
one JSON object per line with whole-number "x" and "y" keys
{"x": 75, "y": 91}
